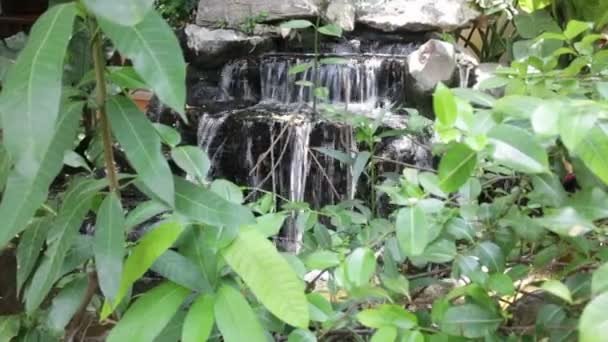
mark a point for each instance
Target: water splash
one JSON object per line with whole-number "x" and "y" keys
{"x": 208, "y": 128}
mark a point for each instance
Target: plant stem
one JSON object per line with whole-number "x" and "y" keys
{"x": 101, "y": 96}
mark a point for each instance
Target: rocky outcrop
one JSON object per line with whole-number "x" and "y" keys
{"x": 416, "y": 15}
{"x": 433, "y": 62}
{"x": 210, "y": 49}
{"x": 236, "y": 12}
{"x": 342, "y": 13}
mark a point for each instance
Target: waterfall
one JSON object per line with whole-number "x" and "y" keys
{"x": 208, "y": 129}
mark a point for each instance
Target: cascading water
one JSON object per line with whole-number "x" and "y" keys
{"x": 207, "y": 131}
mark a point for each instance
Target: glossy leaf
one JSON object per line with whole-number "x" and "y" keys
{"x": 9, "y": 327}
{"x": 599, "y": 280}
{"x": 109, "y": 245}
{"x": 181, "y": 270}
{"x": 296, "y": 24}
{"x": 557, "y": 288}
{"x": 29, "y": 249}
{"x": 269, "y": 276}
{"x": 168, "y": 135}
{"x": 360, "y": 266}
{"x": 548, "y": 190}
{"x": 126, "y": 78}
{"x": 593, "y": 151}
{"x": 517, "y": 149}
{"x": 301, "y": 335}
{"x": 566, "y": 222}
{"x": 75, "y": 160}
{"x": 143, "y": 256}
{"x": 142, "y": 213}
{"x": 332, "y": 30}
{"x": 444, "y": 105}
{"x": 152, "y": 46}
{"x": 387, "y": 315}
{"x": 31, "y": 92}
{"x": 142, "y": 147}
{"x": 204, "y": 206}
{"x": 62, "y": 233}
{"x": 227, "y": 190}
{"x": 193, "y": 160}
{"x": 235, "y": 318}
{"x": 593, "y": 320}
{"x": 469, "y": 320}
{"x": 384, "y": 334}
{"x": 66, "y": 303}
{"x": 491, "y": 256}
{"x": 270, "y": 224}
{"x": 456, "y": 167}
{"x": 148, "y": 316}
{"x": 200, "y": 320}
{"x": 5, "y": 166}
{"x": 121, "y": 12}
{"x": 321, "y": 259}
{"x": 26, "y": 191}
{"x": 412, "y": 231}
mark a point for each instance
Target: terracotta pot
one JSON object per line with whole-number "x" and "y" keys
{"x": 141, "y": 98}
{"x": 16, "y": 7}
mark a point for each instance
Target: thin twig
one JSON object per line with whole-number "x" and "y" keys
{"x": 331, "y": 185}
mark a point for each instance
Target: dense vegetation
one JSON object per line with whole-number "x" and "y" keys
{"x": 504, "y": 241}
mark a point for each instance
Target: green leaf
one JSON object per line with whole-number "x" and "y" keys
{"x": 155, "y": 52}
{"x": 575, "y": 28}
{"x": 475, "y": 96}
{"x": 126, "y": 78}
{"x": 75, "y": 160}
{"x": 444, "y": 105}
{"x": 491, "y": 256}
{"x": 296, "y": 24}
{"x": 358, "y": 167}
{"x": 142, "y": 213}
{"x": 548, "y": 190}
{"x": 30, "y": 246}
{"x": 320, "y": 308}
{"x": 5, "y": 166}
{"x": 269, "y": 276}
{"x": 121, "y": 12}
{"x": 440, "y": 251}
{"x": 593, "y": 151}
{"x": 235, "y": 318}
{"x": 62, "y": 233}
{"x": 31, "y": 93}
{"x": 301, "y": 335}
{"x": 599, "y": 280}
{"x": 143, "y": 256}
{"x": 333, "y": 60}
{"x": 517, "y": 149}
{"x": 299, "y": 68}
{"x": 412, "y": 336}
{"x": 412, "y": 231}
{"x": 169, "y": 135}
{"x": 182, "y": 271}
{"x": 321, "y": 259}
{"x": 518, "y": 107}
{"x": 227, "y": 190}
{"x": 109, "y": 245}
{"x": 593, "y": 320}
{"x": 387, "y": 315}
{"x": 533, "y": 5}
{"x": 200, "y": 319}
{"x": 360, "y": 266}
{"x": 384, "y": 334}
{"x": 502, "y": 284}
{"x": 332, "y": 30}
{"x": 456, "y": 167}
{"x": 149, "y": 315}
{"x": 469, "y": 320}
{"x": 142, "y": 146}
{"x": 270, "y": 224}
{"x": 557, "y": 288}
{"x": 205, "y": 206}
{"x": 27, "y": 189}
{"x": 66, "y": 303}
{"x": 574, "y": 127}
{"x": 565, "y": 222}
{"x": 591, "y": 204}
{"x": 545, "y": 118}
{"x": 193, "y": 160}
{"x": 9, "y": 327}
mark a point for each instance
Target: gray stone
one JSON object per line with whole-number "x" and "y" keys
{"x": 433, "y": 62}
{"x": 416, "y": 15}
{"x": 235, "y": 12}
{"x": 342, "y": 13}
{"x": 208, "y": 49}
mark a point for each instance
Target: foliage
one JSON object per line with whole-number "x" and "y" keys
{"x": 249, "y": 24}
{"x": 176, "y": 12}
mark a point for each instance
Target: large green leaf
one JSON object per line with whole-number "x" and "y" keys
{"x": 9, "y": 327}
{"x": 62, "y": 233}
{"x": 66, "y": 303}
{"x": 156, "y": 56}
{"x": 384, "y": 334}
{"x": 143, "y": 256}
{"x": 193, "y": 160}
{"x": 29, "y": 249}
{"x": 360, "y": 266}
{"x": 200, "y": 320}
{"x": 5, "y": 166}
{"x": 109, "y": 245}
{"x": 142, "y": 213}
{"x": 412, "y": 231}
{"x": 593, "y": 321}
{"x": 387, "y": 315}
{"x": 548, "y": 190}
{"x": 31, "y": 93}
{"x": 26, "y": 191}
{"x": 269, "y": 276}
{"x": 122, "y": 12}
{"x": 445, "y": 106}
{"x": 470, "y": 320}
{"x": 205, "y": 206}
{"x": 593, "y": 151}
{"x": 235, "y": 318}
{"x": 517, "y": 149}
{"x": 456, "y": 167}
{"x": 149, "y": 315}
{"x": 142, "y": 146}
{"x": 181, "y": 270}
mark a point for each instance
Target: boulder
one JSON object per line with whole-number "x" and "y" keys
{"x": 433, "y": 62}
{"x": 209, "y": 49}
{"x": 342, "y": 13}
{"x": 236, "y": 12}
{"x": 416, "y": 15}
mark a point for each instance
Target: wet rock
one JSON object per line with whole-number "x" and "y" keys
{"x": 209, "y": 49}
{"x": 235, "y": 12}
{"x": 433, "y": 62}
{"x": 342, "y": 13}
{"x": 416, "y": 15}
